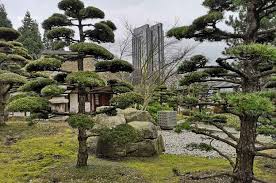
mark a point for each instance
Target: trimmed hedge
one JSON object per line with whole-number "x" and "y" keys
{"x": 120, "y": 135}
{"x": 81, "y": 121}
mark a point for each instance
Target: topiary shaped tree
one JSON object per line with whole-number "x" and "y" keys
{"x": 13, "y": 57}
{"x": 60, "y": 29}
{"x": 246, "y": 63}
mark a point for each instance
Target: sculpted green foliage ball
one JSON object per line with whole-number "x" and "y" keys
{"x": 120, "y": 135}
{"x": 16, "y": 43}
{"x": 55, "y": 20}
{"x": 36, "y": 85}
{"x": 92, "y": 49}
{"x": 8, "y": 34}
{"x": 193, "y": 64}
{"x": 52, "y": 90}
{"x": 22, "y": 95}
{"x": 81, "y": 121}
{"x": 120, "y": 86}
{"x": 60, "y": 32}
{"x": 250, "y": 103}
{"x": 102, "y": 33}
{"x": 91, "y": 12}
{"x": 85, "y": 78}
{"x": 28, "y": 104}
{"x": 44, "y": 64}
{"x": 12, "y": 78}
{"x": 114, "y": 66}
{"x": 193, "y": 77}
{"x": 256, "y": 51}
{"x": 71, "y": 7}
{"x": 126, "y": 100}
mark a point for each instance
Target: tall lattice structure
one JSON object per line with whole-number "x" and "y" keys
{"x": 148, "y": 52}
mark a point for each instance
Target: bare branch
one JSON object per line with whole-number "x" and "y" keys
{"x": 263, "y": 148}
{"x": 267, "y": 73}
{"x": 230, "y": 135}
{"x": 209, "y": 134}
{"x": 265, "y": 155}
{"x": 258, "y": 180}
{"x": 222, "y": 62}
{"x": 212, "y": 176}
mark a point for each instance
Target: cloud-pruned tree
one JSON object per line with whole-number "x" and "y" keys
{"x": 247, "y": 63}
{"x": 13, "y": 57}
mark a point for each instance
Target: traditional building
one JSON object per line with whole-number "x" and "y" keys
{"x": 148, "y": 51}
{"x": 68, "y": 102}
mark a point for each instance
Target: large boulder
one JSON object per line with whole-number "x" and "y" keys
{"x": 145, "y": 148}
{"x": 92, "y": 144}
{"x": 147, "y": 129}
{"x": 105, "y": 121}
{"x": 136, "y": 115}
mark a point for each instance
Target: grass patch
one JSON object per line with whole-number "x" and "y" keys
{"x": 38, "y": 148}
{"x": 47, "y": 153}
{"x": 160, "y": 169}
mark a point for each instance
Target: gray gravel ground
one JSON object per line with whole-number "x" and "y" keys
{"x": 176, "y": 144}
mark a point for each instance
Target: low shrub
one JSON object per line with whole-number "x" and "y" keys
{"x": 120, "y": 135}
{"x": 183, "y": 126}
{"x": 126, "y": 100}
{"x": 155, "y": 107}
{"x": 52, "y": 90}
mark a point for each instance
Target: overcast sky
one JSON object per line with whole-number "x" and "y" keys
{"x": 136, "y": 12}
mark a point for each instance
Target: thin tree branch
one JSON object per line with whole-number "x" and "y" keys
{"x": 258, "y": 180}
{"x": 222, "y": 62}
{"x": 263, "y": 148}
{"x": 265, "y": 155}
{"x": 230, "y": 135}
{"x": 209, "y": 134}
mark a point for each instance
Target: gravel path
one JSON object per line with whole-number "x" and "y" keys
{"x": 176, "y": 144}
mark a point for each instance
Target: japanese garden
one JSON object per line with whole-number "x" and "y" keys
{"x": 89, "y": 96}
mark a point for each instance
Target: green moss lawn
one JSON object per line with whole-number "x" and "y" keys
{"x": 47, "y": 152}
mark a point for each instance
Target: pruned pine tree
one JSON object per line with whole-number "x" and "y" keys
{"x": 30, "y": 35}
{"x": 247, "y": 63}
{"x": 13, "y": 57}
{"x": 59, "y": 28}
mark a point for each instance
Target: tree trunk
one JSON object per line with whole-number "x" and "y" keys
{"x": 2, "y": 110}
{"x": 82, "y": 99}
{"x": 252, "y": 21}
{"x": 246, "y": 150}
{"x": 4, "y": 95}
{"x": 83, "y": 153}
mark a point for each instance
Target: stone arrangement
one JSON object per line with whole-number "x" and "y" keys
{"x": 150, "y": 144}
